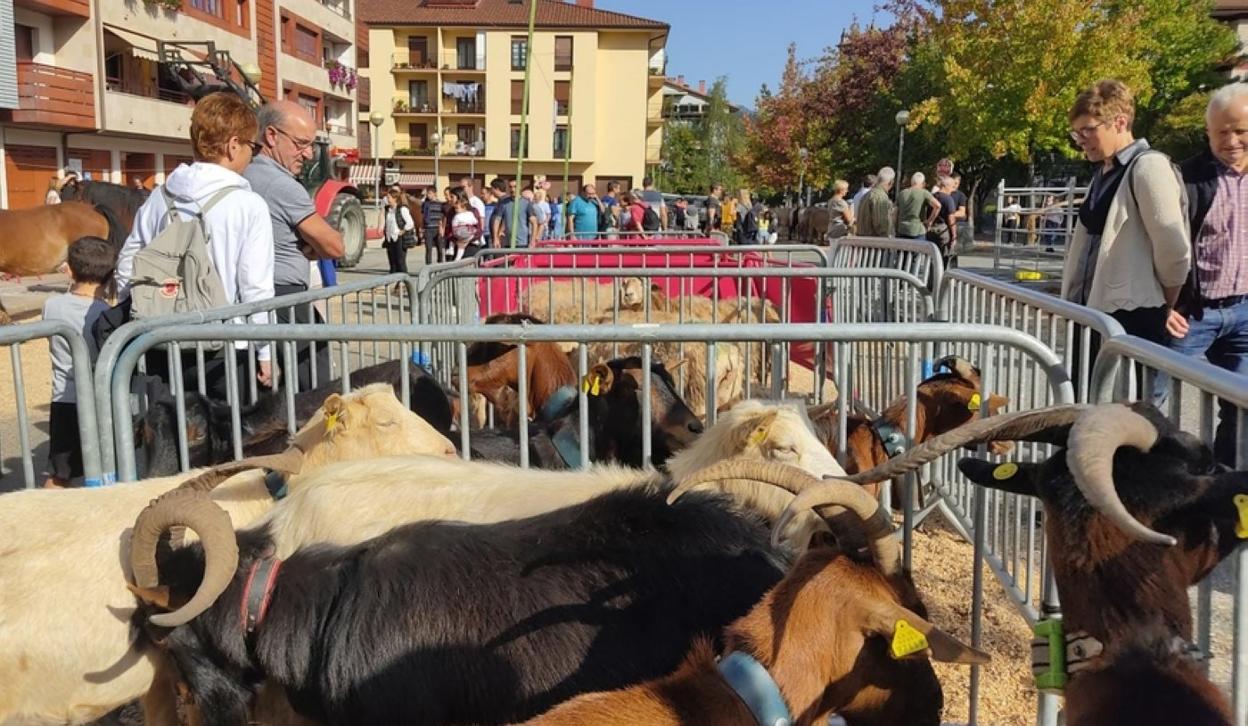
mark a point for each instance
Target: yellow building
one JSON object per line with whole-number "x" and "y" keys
{"x": 454, "y": 70}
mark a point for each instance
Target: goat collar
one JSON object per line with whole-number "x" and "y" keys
{"x": 258, "y": 591}
{"x": 756, "y": 688}
{"x": 1057, "y": 657}
{"x": 891, "y": 436}
{"x": 275, "y": 482}
{"x": 558, "y": 403}
{"x": 567, "y": 444}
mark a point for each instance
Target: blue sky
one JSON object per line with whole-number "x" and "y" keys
{"x": 744, "y": 41}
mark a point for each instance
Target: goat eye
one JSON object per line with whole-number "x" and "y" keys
{"x": 388, "y": 422}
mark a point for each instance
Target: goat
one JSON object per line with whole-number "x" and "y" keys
{"x": 945, "y": 401}
{"x": 495, "y": 366}
{"x": 829, "y": 638}
{"x": 633, "y": 605}
{"x": 263, "y": 425}
{"x": 1136, "y": 512}
{"x": 67, "y": 651}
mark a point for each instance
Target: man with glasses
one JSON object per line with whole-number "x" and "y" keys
{"x": 300, "y": 235}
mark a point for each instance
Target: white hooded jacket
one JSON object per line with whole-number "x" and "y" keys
{"x": 239, "y": 225}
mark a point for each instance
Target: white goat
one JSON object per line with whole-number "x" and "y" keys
{"x": 68, "y": 652}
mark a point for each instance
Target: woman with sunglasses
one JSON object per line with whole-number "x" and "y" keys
{"x": 1130, "y": 254}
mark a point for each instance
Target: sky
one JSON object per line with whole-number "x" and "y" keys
{"x": 744, "y": 40}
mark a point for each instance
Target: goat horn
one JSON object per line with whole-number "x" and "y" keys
{"x": 1017, "y": 426}
{"x": 782, "y": 475}
{"x": 878, "y": 528}
{"x": 289, "y": 461}
{"x": 960, "y": 366}
{"x": 192, "y": 509}
{"x": 1093, "y": 441}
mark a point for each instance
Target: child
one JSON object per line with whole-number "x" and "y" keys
{"x": 91, "y": 263}
{"x": 465, "y": 225}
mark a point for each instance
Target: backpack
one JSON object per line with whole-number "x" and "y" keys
{"x": 174, "y": 273}
{"x": 650, "y": 219}
{"x": 1184, "y": 202}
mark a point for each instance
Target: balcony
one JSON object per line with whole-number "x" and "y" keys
{"x": 465, "y": 108}
{"x": 339, "y": 129}
{"x": 403, "y": 149}
{"x": 51, "y": 96}
{"x": 71, "y": 8}
{"x": 341, "y": 7}
{"x": 402, "y": 63}
{"x": 451, "y": 64}
{"x": 402, "y": 108}
{"x": 654, "y": 153}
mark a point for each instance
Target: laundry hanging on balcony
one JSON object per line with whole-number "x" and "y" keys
{"x": 465, "y": 92}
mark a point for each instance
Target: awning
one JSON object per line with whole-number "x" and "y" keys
{"x": 365, "y": 174}
{"x": 416, "y": 179}
{"x": 140, "y": 45}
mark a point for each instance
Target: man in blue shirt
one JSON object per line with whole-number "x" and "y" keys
{"x": 500, "y": 225}
{"x": 583, "y": 213}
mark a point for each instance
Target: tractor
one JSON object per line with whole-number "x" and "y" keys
{"x": 199, "y": 69}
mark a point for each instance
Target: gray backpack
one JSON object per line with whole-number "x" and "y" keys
{"x": 174, "y": 273}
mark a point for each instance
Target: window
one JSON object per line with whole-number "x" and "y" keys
{"x": 561, "y": 142}
{"x": 519, "y": 52}
{"x": 418, "y": 97}
{"x": 563, "y": 52}
{"x": 211, "y": 7}
{"x": 467, "y": 134}
{"x": 306, "y": 43}
{"x": 230, "y": 14}
{"x": 563, "y": 92}
{"x": 417, "y": 50}
{"x": 515, "y": 141}
{"x": 418, "y": 135}
{"x": 26, "y": 38}
{"x": 311, "y": 104}
{"x": 466, "y": 54}
{"x": 517, "y": 97}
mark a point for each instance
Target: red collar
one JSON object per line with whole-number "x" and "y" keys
{"x": 257, "y": 592}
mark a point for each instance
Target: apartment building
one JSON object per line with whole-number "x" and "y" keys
{"x": 448, "y": 75}
{"x": 682, "y": 103}
{"x": 91, "y": 94}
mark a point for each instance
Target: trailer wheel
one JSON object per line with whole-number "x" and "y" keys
{"x": 347, "y": 216}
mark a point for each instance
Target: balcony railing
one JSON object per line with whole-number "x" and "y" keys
{"x": 402, "y": 61}
{"x": 134, "y": 88}
{"x": 339, "y": 129}
{"x": 403, "y": 147}
{"x": 53, "y": 96}
{"x": 418, "y": 106}
{"x": 465, "y": 107}
{"x": 342, "y": 7}
{"x": 451, "y": 62}
{"x": 75, "y": 8}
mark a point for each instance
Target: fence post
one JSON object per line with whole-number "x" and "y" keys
{"x": 996, "y": 245}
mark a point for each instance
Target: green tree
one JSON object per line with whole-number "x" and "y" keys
{"x": 770, "y": 158}
{"x": 702, "y": 152}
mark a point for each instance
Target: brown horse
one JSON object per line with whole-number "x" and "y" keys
{"x": 123, "y": 201}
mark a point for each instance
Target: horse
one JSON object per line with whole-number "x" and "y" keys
{"x": 123, "y": 201}
{"x": 36, "y": 240}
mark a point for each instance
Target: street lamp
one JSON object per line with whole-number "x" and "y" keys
{"x": 436, "y": 139}
{"x": 377, "y": 118}
{"x": 902, "y": 118}
{"x": 472, "y": 164}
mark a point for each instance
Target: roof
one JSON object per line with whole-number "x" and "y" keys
{"x": 498, "y": 13}
{"x": 677, "y": 88}
{"x": 1229, "y": 8}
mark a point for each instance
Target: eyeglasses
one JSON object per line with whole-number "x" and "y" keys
{"x": 300, "y": 144}
{"x": 1085, "y": 133}
{"x": 256, "y": 148}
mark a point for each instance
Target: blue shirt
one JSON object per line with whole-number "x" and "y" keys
{"x": 584, "y": 215}
{"x": 503, "y": 212}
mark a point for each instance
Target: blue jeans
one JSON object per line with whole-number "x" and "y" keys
{"x": 1221, "y": 337}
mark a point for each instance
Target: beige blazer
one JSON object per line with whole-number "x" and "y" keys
{"x": 1141, "y": 250}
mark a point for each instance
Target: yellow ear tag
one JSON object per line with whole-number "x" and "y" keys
{"x": 758, "y": 437}
{"x": 1241, "y": 527}
{"x": 592, "y": 384}
{"x": 1005, "y": 471}
{"x": 907, "y": 640}
{"x": 973, "y": 404}
{"x": 331, "y": 422}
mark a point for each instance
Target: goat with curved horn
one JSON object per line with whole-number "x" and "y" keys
{"x": 812, "y": 493}
{"x": 1017, "y": 426}
{"x": 961, "y": 367}
{"x": 1094, "y": 439}
{"x": 194, "y": 510}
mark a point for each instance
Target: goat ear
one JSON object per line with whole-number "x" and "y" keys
{"x": 1016, "y": 478}
{"x": 600, "y": 378}
{"x": 908, "y": 634}
{"x": 335, "y": 408}
{"x": 155, "y": 596}
{"x": 1213, "y": 524}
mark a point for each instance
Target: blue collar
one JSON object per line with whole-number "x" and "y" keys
{"x": 756, "y": 688}
{"x": 567, "y": 445}
{"x": 893, "y": 439}
{"x": 558, "y": 403}
{"x": 275, "y": 482}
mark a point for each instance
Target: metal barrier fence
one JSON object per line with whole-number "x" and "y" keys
{"x": 1047, "y": 218}
{"x": 384, "y": 300}
{"x": 994, "y": 344}
{"x": 917, "y": 257}
{"x": 88, "y": 430}
{"x": 1197, "y": 390}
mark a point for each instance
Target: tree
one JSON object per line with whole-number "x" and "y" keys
{"x": 702, "y": 152}
{"x": 778, "y": 130}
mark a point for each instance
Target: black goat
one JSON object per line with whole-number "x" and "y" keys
{"x": 440, "y": 622}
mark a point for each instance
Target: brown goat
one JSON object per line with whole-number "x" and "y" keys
{"x": 946, "y": 401}
{"x": 495, "y": 367}
{"x": 1136, "y": 512}
{"x": 822, "y": 634}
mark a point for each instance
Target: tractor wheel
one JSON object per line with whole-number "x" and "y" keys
{"x": 347, "y": 216}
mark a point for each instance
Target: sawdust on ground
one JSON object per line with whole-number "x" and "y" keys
{"x": 943, "y": 567}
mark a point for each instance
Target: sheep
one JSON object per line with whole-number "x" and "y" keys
{"x": 823, "y": 634}
{"x": 1136, "y": 512}
{"x": 701, "y": 563}
{"x": 67, "y": 650}
{"x": 946, "y": 400}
